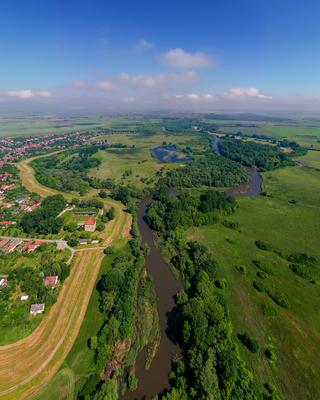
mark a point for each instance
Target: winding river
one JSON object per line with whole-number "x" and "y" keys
{"x": 155, "y": 379}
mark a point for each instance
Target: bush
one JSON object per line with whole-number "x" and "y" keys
{"x": 241, "y": 268}
{"x": 262, "y": 275}
{"x": 280, "y": 299}
{"x": 263, "y": 266}
{"x": 231, "y": 225}
{"x": 109, "y": 250}
{"x": 270, "y": 353}
{"x": 220, "y": 283}
{"x": 260, "y": 287}
{"x": 262, "y": 245}
{"x": 300, "y": 270}
{"x": 250, "y": 343}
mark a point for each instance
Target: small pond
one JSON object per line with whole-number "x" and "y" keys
{"x": 169, "y": 154}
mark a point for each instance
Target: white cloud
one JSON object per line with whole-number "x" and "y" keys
{"x": 161, "y": 80}
{"x": 106, "y": 85}
{"x": 194, "y": 97}
{"x": 180, "y": 58}
{"x": 238, "y": 93}
{"x": 143, "y": 45}
{"x": 28, "y": 93}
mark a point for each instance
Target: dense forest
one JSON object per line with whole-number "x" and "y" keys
{"x": 211, "y": 171}
{"x": 168, "y": 211}
{"x": 263, "y": 156}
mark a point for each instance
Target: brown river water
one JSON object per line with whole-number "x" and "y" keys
{"x": 155, "y": 380}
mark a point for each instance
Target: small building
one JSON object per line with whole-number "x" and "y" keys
{"x": 95, "y": 241}
{"x": 31, "y": 246}
{"x": 51, "y": 281}
{"x": 36, "y": 309}
{"x": 90, "y": 224}
{"x": 13, "y": 245}
{"x": 24, "y": 297}
{"x": 62, "y": 244}
{"x": 83, "y": 241}
{"x": 3, "y": 283}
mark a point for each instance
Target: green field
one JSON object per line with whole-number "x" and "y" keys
{"x": 138, "y": 159}
{"x": 287, "y": 228}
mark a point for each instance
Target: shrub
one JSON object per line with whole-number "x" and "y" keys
{"x": 279, "y": 298}
{"x": 262, "y": 275}
{"x": 262, "y": 245}
{"x": 231, "y": 225}
{"x": 270, "y": 353}
{"x": 260, "y": 287}
{"x": 220, "y": 283}
{"x": 109, "y": 250}
{"x": 241, "y": 268}
{"x": 301, "y": 258}
{"x": 300, "y": 270}
{"x": 250, "y": 343}
{"x": 263, "y": 266}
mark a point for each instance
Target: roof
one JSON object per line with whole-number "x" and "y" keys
{"x": 90, "y": 221}
{"x": 37, "y": 308}
{"x": 51, "y": 280}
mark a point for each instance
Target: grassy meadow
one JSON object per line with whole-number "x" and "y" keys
{"x": 137, "y": 161}
{"x": 287, "y": 227}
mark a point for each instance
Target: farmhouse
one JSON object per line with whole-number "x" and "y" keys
{"x": 51, "y": 281}
{"x": 90, "y": 224}
{"x": 36, "y": 309}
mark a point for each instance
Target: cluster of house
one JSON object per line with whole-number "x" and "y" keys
{"x": 23, "y": 204}
{"x": 8, "y": 246}
{"x": 13, "y": 149}
{"x": 38, "y": 308}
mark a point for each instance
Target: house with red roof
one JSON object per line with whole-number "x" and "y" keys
{"x": 30, "y": 246}
{"x": 90, "y": 224}
{"x": 13, "y": 245}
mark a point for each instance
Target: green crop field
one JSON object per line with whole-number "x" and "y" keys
{"x": 287, "y": 228}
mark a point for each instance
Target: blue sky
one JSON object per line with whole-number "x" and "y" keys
{"x": 205, "y": 55}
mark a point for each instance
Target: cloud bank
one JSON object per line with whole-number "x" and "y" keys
{"x": 28, "y": 93}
